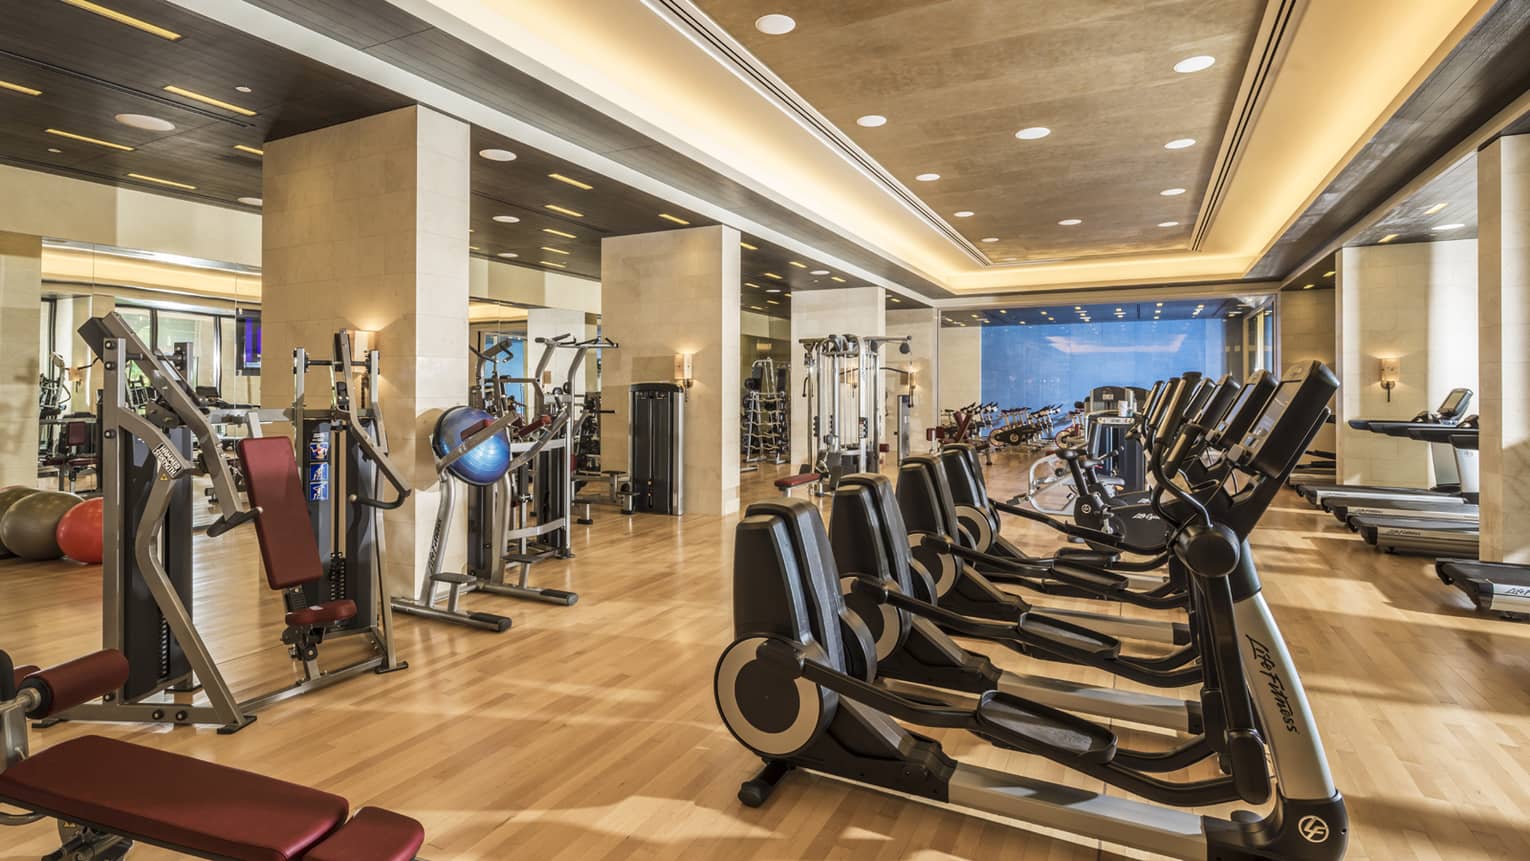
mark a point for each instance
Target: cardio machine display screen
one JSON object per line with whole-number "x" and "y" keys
{"x": 247, "y": 343}
{"x": 1273, "y": 411}
{"x": 1452, "y": 405}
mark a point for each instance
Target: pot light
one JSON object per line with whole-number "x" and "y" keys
{"x": 252, "y": 201}
{"x": 1328, "y": 274}
{"x": 1034, "y": 133}
{"x": 772, "y": 275}
{"x": 145, "y": 122}
{"x": 474, "y": 248}
{"x": 748, "y": 246}
{"x": 819, "y": 272}
{"x": 1172, "y": 192}
{"x": 508, "y": 255}
{"x": 1168, "y": 224}
{"x": 1198, "y": 63}
{"x": 583, "y": 186}
{"x": 965, "y": 213}
{"x": 170, "y": 182}
{"x": 1389, "y": 237}
{"x": 1308, "y": 286}
{"x": 1447, "y": 227}
{"x": 507, "y": 219}
{"x": 561, "y": 233}
{"x": 563, "y": 210}
{"x": 74, "y": 137}
{"x": 836, "y": 278}
{"x": 54, "y": 149}
{"x": 796, "y": 264}
{"x": 872, "y": 121}
{"x": 1436, "y": 208}
{"x": 123, "y": 18}
{"x": 243, "y": 89}
{"x": 1180, "y": 143}
{"x": 990, "y": 239}
{"x": 896, "y": 299}
{"x": 1069, "y": 222}
{"x": 772, "y": 289}
{"x": 555, "y": 250}
{"x": 775, "y": 24}
{"x": 249, "y": 149}
{"x": 496, "y": 154}
{"x": 676, "y": 219}
{"x": 209, "y": 100}
{"x": 27, "y": 91}
{"x": 927, "y": 177}
{"x": 552, "y": 264}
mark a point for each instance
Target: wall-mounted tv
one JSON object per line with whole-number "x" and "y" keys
{"x": 247, "y": 342}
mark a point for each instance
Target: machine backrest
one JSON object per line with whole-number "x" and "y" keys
{"x": 287, "y": 544}
{"x": 800, "y": 559}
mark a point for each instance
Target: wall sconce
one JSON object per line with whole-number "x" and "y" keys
{"x": 683, "y": 374}
{"x": 1390, "y": 374}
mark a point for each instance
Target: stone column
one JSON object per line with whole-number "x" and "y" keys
{"x": 1415, "y": 303}
{"x": 1306, "y": 324}
{"x": 923, "y": 325}
{"x": 677, "y": 291}
{"x": 1503, "y": 282}
{"x": 20, "y": 331}
{"x": 366, "y": 228}
{"x": 850, "y": 311}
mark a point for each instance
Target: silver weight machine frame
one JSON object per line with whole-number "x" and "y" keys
{"x": 843, "y": 386}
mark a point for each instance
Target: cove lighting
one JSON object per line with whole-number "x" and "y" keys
{"x": 249, "y": 149}
{"x": 676, "y": 219}
{"x": 507, "y": 219}
{"x": 124, "y": 18}
{"x": 170, "y": 182}
{"x": 584, "y": 186}
{"x": 17, "y": 88}
{"x": 556, "y": 232}
{"x": 1172, "y": 192}
{"x": 563, "y": 210}
{"x": 1197, "y": 63}
{"x": 209, "y": 100}
{"x": 496, "y": 154}
{"x": 1180, "y": 143}
{"x": 775, "y": 24}
{"x": 98, "y": 142}
{"x": 923, "y": 177}
{"x": 555, "y": 250}
{"x": 1034, "y": 133}
{"x": 871, "y": 121}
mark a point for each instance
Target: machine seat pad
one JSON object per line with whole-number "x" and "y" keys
{"x": 797, "y": 480}
{"x": 374, "y": 834}
{"x": 198, "y": 807}
{"x": 1085, "y": 556}
{"x": 322, "y": 614}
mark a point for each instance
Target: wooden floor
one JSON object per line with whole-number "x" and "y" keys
{"x": 591, "y": 731}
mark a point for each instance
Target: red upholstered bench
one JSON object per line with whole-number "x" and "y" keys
{"x": 117, "y": 789}
{"x": 786, "y": 484}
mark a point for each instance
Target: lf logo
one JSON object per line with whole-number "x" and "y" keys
{"x": 1313, "y": 829}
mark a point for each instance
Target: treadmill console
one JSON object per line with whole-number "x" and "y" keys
{"x": 1278, "y": 438}
{"x": 1454, "y": 404}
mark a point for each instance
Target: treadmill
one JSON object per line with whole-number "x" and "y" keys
{"x": 1494, "y": 587}
{"x": 1461, "y": 505}
{"x": 1422, "y": 532}
{"x": 1450, "y": 412}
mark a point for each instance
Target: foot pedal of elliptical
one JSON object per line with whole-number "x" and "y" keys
{"x": 1085, "y": 556}
{"x": 1031, "y": 727}
{"x": 1067, "y": 637}
{"x": 1089, "y": 578}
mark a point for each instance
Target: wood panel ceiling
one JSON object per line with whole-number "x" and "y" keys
{"x": 957, "y": 79}
{"x": 1100, "y": 314}
{"x": 1444, "y": 209}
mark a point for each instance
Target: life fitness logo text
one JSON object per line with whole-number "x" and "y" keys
{"x": 1276, "y": 684}
{"x": 1313, "y": 829}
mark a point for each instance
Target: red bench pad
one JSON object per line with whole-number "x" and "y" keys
{"x": 797, "y": 480}
{"x": 174, "y": 800}
{"x": 322, "y": 614}
{"x": 287, "y": 545}
{"x": 373, "y": 834}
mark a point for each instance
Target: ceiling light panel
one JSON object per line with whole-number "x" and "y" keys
{"x": 209, "y": 100}
{"x": 168, "y": 182}
{"x": 568, "y": 180}
{"x": 124, "y": 18}
{"x": 563, "y": 210}
{"x": 19, "y": 88}
{"x": 555, "y": 232}
{"x": 249, "y": 149}
{"x": 90, "y": 140}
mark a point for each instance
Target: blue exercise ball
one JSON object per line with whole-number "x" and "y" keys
{"x": 486, "y": 462}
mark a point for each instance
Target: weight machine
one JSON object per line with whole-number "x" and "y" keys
{"x": 844, "y": 391}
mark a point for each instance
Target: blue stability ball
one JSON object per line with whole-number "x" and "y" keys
{"x": 485, "y": 463}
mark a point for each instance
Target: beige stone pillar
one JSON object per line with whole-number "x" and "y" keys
{"x": 677, "y": 291}
{"x": 851, "y": 311}
{"x": 1503, "y": 282}
{"x": 20, "y": 331}
{"x": 1415, "y": 303}
{"x": 366, "y": 228}
{"x": 923, "y": 325}
{"x": 1305, "y": 320}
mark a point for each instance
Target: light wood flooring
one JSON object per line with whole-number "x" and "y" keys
{"x": 591, "y": 732}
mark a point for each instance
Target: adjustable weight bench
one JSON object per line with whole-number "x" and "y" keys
{"x": 108, "y": 794}
{"x": 786, "y": 484}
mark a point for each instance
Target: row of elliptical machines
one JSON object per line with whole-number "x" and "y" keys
{"x": 846, "y": 635}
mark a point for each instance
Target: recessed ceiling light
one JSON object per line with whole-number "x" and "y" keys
{"x": 1034, "y": 133}
{"x": 123, "y": 18}
{"x": 871, "y": 121}
{"x": 772, "y": 301}
{"x": 1198, "y": 63}
{"x": 563, "y": 210}
{"x": 584, "y": 186}
{"x": 558, "y": 233}
{"x": 819, "y": 272}
{"x": 1389, "y": 237}
{"x": 896, "y": 299}
{"x": 1436, "y": 208}
{"x": 96, "y": 141}
{"x": 1447, "y": 227}
{"x": 1069, "y": 222}
{"x": 836, "y": 278}
{"x": 990, "y": 239}
{"x": 675, "y": 218}
{"x": 772, "y": 275}
{"x": 54, "y": 149}
{"x": 507, "y": 219}
{"x": 496, "y": 154}
{"x": 772, "y": 289}
{"x": 474, "y": 248}
{"x": 507, "y": 255}
{"x": 748, "y": 246}
{"x": 243, "y": 89}
{"x": 1172, "y": 192}
{"x": 1180, "y": 143}
{"x": 796, "y": 264}
{"x": 554, "y": 250}
{"x": 1328, "y": 274}
{"x": 755, "y": 308}
{"x": 250, "y": 149}
{"x": 145, "y": 122}
{"x": 1168, "y": 224}
{"x": 1308, "y": 286}
{"x": 17, "y": 88}
{"x": 927, "y": 177}
{"x": 251, "y": 201}
{"x": 965, "y": 213}
{"x": 775, "y": 24}
{"x": 209, "y": 100}
{"x": 170, "y": 182}
{"x": 552, "y": 264}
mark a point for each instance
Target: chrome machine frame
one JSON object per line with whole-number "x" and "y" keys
{"x": 844, "y": 426}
